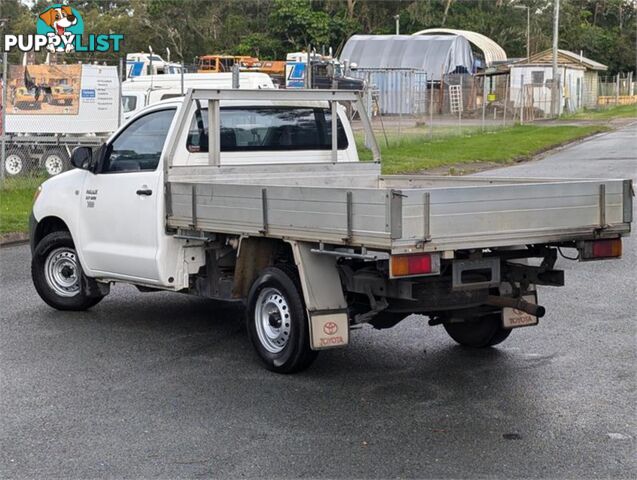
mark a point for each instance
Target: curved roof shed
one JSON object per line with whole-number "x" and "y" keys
{"x": 435, "y": 54}
{"x": 491, "y": 50}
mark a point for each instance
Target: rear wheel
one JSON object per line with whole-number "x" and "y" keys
{"x": 482, "y": 332}
{"x": 277, "y": 322}
{"x": 57, "y": 274}
{"x": 55, "y": 162}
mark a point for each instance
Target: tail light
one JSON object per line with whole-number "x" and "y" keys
{"x": 598, "y": 249}
{"x": 413, "y": 265}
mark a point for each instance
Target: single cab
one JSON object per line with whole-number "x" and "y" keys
{"x": 258, "y": 196}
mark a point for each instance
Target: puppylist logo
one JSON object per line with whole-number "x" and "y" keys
{"x": 60, "y": 28}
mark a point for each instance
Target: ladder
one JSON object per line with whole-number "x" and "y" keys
{"x": 455, "y": 99}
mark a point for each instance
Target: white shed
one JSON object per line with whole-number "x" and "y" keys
{"x": 531, "y": 84}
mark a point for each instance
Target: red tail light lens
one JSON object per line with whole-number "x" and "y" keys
{"x": 417, "y": 264}
{"x": 610, "y": 248}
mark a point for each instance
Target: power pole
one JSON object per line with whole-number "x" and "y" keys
{"x": 528, "y": 33}
{"x": 528, "y": 29}
{"x": 555, "y": 109}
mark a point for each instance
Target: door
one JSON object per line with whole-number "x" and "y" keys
{"x": 120, "y": 213}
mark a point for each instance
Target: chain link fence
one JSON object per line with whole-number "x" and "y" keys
{"x": 404, "y": 102}
{"x": 617, "y": 90}
{"x": 48, "y": 110}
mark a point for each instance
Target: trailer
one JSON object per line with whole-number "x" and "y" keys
{"x": 52, "y": 109}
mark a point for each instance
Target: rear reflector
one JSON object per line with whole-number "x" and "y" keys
{"x": 417, "y": 264}
{"x": 610, "y": 248}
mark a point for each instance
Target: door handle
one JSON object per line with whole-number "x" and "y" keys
{"x": 146, "y": 192}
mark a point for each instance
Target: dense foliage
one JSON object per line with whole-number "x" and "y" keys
{"x": 605, "y": 30}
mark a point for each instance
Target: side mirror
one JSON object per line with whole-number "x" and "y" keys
{"x": 81, "y": 157}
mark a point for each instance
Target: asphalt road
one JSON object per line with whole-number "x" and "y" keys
{"x": 163, "y": 385}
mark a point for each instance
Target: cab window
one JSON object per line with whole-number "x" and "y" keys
{"x": 129, "y": 103}
{"x": 245, "y": 129}
{"x": 139, "y": 146}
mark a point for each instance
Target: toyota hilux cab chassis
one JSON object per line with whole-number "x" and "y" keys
{"x": 258, "y": 197}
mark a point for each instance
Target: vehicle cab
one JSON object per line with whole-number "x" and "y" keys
{"x": 114, "y": 206}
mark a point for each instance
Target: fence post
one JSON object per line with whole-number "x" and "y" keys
{"x": 617, "y": 89}
{"x": 3, "y": 121}
{"x": 431, "y": 109}
{"x": 484, "y": 100}
{"x": 522, "y": 99}
{"x": 506, "y": 100}
{"x": 400, "y": 103}
{"x": 460, "y": 109}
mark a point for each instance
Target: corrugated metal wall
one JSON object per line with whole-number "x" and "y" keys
{"x": 398, "y": 91}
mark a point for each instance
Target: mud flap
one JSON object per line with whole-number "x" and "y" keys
{"x": 328, "y": 330}
{"x": 512, "y": 318}
{"x": 323, "y": 295}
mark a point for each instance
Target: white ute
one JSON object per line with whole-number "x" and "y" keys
{"x": 258, "y": 196}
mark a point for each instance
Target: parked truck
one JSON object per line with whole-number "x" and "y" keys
{"x": 139, "y": 92}
{"x": 258, "y": 196}
{"x": 61, "y": 108}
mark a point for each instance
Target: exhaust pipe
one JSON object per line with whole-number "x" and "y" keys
{"x": 517, "y": 303}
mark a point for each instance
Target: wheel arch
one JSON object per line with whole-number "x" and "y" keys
{"x": 46, "y": 226}
{"x": 255, "y": 254}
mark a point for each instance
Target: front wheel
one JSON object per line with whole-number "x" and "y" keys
{"x": 15, "y": 163}
{"x": 482, "y": 332}
{"x": 57, "y": 274}
{"x": 277, "y": 322}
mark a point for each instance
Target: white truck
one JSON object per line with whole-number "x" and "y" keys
{"x": 138, "y": 92}
{"x": 258, "y": 196}
{"x": 142, "y": 64}
{"x": 46, "y": 140}
{"x": 81, "y": 110}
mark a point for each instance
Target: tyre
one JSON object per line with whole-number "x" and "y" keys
{"x": 57, "y": 274}
{"x": 15, "y": 163}
{"x": 55, "y": 162}
{"x": 277, "y": 322}
{"x": 482, "y": 332}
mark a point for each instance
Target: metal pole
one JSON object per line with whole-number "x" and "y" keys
{"x": 617, "y": 89}
{"x": 460, "y": 109}
{"x": 119, "y": 90}
{"x": 528, "y": 33}
{"x": 522, "y": 99}
{"x": 506, "y": 101}
{"x": 431, "y": 110}
{"x": 397, "y": 18}
{"x": 235, "y": 75}
{"x": 554, "y": 85}
{"x": 182, "y": 77}
{"x": 308, "y": 70}
{"x": 400, "y": 104}
{"x": 484, "y": 100}
{"x": 5, "y": 85}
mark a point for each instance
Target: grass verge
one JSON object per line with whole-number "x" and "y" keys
{"x": 418, "y": 152}
{"x": 16, "y": 199}
{"x": 621, "y": 111}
